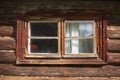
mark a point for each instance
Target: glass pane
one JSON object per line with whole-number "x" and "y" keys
{"x": 72, "y": 30}
{"x": 76, "y": 46}
{"x": 86, "y": 29}
{"x": 44, "y": 29}
{"x": 44, "y": 45}
{"x": 68, "y": 46}
{"x": 79, "y": 28}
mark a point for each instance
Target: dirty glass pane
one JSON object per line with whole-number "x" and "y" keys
{"x": 79, "y": 28}
{"x": 44, "y": 46}
{"x": 76, "y": 46}
{"x": 44, "y": 29}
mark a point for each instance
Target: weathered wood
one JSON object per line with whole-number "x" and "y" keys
{"x": 27, "y": 5}
{"x": 7, "y": 57}
{"x": 112, "y": 7}
{"x": 58, "y": 61}
{"x": 59, "y": 71}
{"x": 6, "y": 30}
{"x": 113, "y": 32}
{"x": 23, "y": 56}
{"x": 113, "y": 57}
{"x": 7, "y": 43}
{"x": 113, "y": 20}
{"x": 56, "y": 78}
{"x": 113, "y": 45}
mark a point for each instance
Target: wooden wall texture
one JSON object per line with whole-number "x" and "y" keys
{"x": 8, "y": 17}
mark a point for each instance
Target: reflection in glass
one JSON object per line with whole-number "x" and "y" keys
{"x": 86, "y": 29}
{"x": 43, "y": 29}
{"x": 81, "y": 28}
{"x": 76, "y": 46}
{"x": 44, "y": 46}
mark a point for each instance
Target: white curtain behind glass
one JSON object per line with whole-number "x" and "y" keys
{"x": 79, "y": 29}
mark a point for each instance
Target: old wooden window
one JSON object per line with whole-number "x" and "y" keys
{"x": 43, "y": 38}
{"x": 66, "y": 40}
{"x": 80, "y": 38}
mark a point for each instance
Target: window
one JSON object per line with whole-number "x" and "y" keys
{"x": 43, "y": 38}
{"x": 80, "y": 37}
{"x": 66, "y": 40}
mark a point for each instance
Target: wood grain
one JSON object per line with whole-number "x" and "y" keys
{"x": 7, "y": 43}
{"x": 113, "y": 57}
{"x": 59, "y": 71}
{"x": 6, "y": 30}
{"x": 55, "y": 78}
{"x": 113, "y": 45}
{"x": 113, "y": 32}
{"x": 7, "y": 57}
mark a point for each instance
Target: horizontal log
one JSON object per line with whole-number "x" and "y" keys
{"x": 7, "y": 57}
{"x": 9, "y": 16}
{"x": 113, "y": 57}
{"x": 8, "y": 22}
{"x": 113, "y": 20}
{"x": 55, "y": 78}
{"x": 7, "y": 43}
{"x": 72, "y": 4}
{"x": 113, "y": 32}
{"x": 6, "y": 30}
{"x": 59, "y": 71}
{"x": 113, "y": 45}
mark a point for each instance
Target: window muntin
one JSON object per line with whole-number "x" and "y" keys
{"x": 80, "y": 37}
{"x": 43, "y": 37}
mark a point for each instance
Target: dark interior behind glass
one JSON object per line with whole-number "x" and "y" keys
{"x": 44, "y": 29}
{"x": 40, "y": 30}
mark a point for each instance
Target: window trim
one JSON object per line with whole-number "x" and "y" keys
{"x": 20, "y": 50}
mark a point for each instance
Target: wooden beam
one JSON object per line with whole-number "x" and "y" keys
{"x": 6, "y": 30}
{"x": 59, "y": 71}
{"x": 113, "y": 32}
{"x": 7, "y": 43}
{"x": 7, "y": 57}
{"x": 113, "y": 57}
{"x": 113, "y": 45}
{"x": 26, "y": 5}
{"x": 55, "y": 78}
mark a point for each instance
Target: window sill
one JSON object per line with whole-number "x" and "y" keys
{"x": 59, "y": 61}
{"x": 42, "y": 56}
{"x": 80, "y": 56}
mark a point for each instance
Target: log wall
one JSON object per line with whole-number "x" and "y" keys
{"x": 57, "y": 78}
{"x": 8, "y": 42}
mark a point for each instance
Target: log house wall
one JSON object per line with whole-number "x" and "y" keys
{"x": 8, "y": 18}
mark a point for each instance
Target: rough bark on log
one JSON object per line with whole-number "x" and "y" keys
{"x": 59, "y": 71}
{"x": 7, "y": 43}
{"x": 6, "y": 30}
